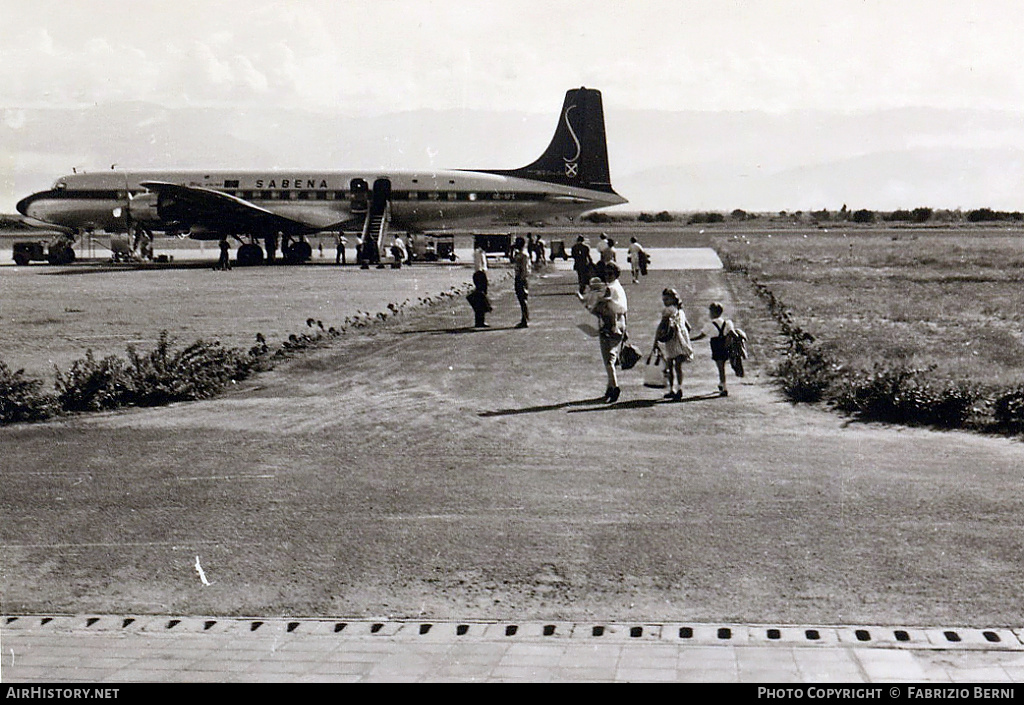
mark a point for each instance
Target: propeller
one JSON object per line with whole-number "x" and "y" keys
{"x": 126, "y": 211}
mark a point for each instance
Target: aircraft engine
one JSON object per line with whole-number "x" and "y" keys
{"x": 144, "y": 208}
{"x": 198, "y": 232}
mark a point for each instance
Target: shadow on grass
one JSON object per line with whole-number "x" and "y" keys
{"x": 545, "y": 407}
{"x": 107, "y": 267}
{"x": 597, "y": 404}
{"x": 645, "y": 403}
{"x": 455, "y": 331}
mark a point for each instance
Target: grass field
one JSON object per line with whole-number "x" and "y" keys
{"x": 51, "y": 315}
{"x": 948, "y": 303}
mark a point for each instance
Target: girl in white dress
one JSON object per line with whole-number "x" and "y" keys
{"x": 673, "y": 338}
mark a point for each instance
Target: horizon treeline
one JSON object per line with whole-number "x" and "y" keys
{"x": 918, "y": 215}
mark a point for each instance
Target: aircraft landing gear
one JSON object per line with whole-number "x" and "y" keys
{"x": 298, "y": 252}
{"x": 249, "y": 255}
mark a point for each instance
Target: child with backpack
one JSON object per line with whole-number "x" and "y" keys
{"x": 727, "y": 343}
{"x": 673, "y": 339}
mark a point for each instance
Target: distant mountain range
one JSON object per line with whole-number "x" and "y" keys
{"x": 674, "y": 161}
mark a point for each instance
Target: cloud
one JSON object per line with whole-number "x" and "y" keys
{"x": 15, "y": 119}
{"x": 357, "y": 57}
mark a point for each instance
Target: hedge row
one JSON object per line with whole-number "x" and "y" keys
{"x": 160, "y": 376}
{"x": 810, "y": 371}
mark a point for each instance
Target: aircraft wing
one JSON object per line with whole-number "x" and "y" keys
{"x": 220, "y": 211}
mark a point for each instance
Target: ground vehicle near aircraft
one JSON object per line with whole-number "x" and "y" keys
{"x": 431, "y": 248}
{"x": 494, "y": 244}
{"x": 558, "y": 250}
{"x": 254, "y": 207}
{"x": 58, "y": 251}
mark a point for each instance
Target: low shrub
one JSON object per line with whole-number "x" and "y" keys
{"x": 662, "y": 217}
{"x": 199, "y": 371}
{"x": 865, "y": 369}
{"x": 22, "y": 398}
{"x": 805, "y": 373}
{"x": 807, "y": 370}
{"x": 907, "y": 395}
{"x": 699, "y": 218}
{"x": 1008, "y": 409}
{"x": 93, "y": 385}
{"x": 161, "y": 376}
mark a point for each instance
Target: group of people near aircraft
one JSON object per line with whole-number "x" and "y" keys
{"x": 603, "y": 295}
{"x": 586, "y": 268}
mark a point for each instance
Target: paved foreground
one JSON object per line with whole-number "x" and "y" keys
{"x": 117, "y": 649}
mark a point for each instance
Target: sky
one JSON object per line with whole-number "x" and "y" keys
{"x": 358, "y": 58}
{"x": 377, "y": 56}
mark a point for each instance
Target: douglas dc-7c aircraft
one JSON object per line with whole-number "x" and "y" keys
{"x": 570, "y": 177}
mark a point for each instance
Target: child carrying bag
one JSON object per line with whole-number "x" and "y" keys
{"x": 654, "y": 370}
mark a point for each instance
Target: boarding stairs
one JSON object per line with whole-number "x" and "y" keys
{"x": 376, "y": 225}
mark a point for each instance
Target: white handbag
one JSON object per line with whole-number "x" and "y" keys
{"x": 654, "y": 370}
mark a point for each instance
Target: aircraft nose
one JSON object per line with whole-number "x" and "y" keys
{"x": 23, "y": 204}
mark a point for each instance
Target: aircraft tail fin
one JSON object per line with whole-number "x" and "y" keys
{"x": 578, "y": 153}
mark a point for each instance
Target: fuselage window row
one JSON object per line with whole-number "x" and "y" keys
{"x": 289, "y": 195}
{"x": 306, "y": 195}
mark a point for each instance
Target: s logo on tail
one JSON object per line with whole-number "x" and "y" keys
{"x": 572, "y": 163}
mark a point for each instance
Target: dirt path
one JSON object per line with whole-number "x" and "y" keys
{"x": 434, "y": 470}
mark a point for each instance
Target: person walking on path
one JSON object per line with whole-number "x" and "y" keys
{"x": 224, "y": 263}
{"x": 602, "y": 246}
{"x": 614, "y": 332}
{"x": 478, "y": 298}
{"x": 270, "y": 245}
{"x": 397, "y": 252}
{"x": 673, "y": 339}
{"x": 581, "y": 262}
{"x": 610, "y": 309}
{"x": 718, "y": 328}
{"x": 539, "y": 251}
{"x": 607, "y": 259}
{"x": 635, "y": 256}
{"x": 340, "y": 242}
{"x": 521, "y": 267}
